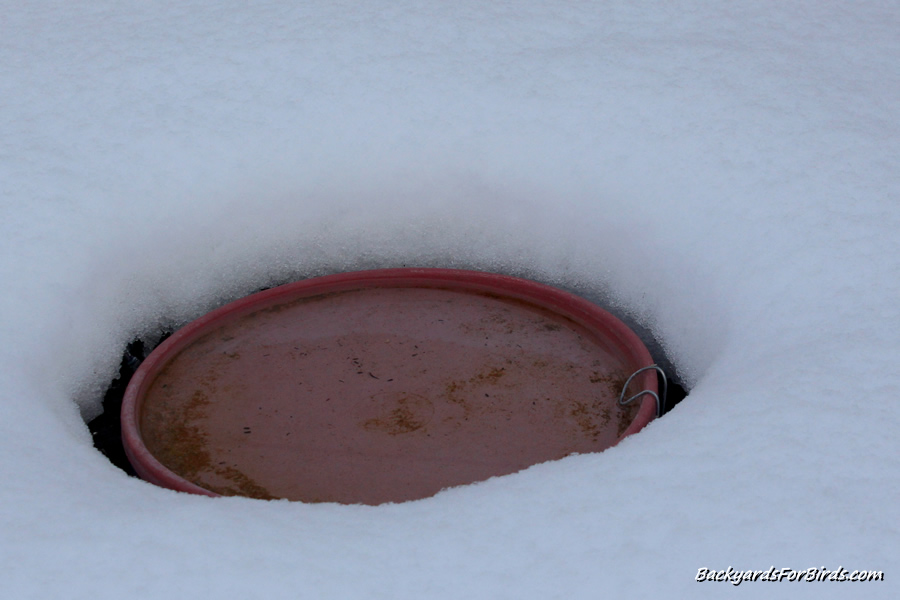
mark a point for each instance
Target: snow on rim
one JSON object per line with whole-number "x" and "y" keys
{"x": 727, "y": 175}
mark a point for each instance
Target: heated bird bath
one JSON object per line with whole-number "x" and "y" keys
{"x": 383, "y": 386}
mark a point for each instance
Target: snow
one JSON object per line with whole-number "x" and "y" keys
{"x": 728, "y": 175}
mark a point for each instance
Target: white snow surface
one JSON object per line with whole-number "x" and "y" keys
{"x": 728, "y": 174}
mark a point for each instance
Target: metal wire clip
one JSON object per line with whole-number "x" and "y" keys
{"x": 660, "y": 400}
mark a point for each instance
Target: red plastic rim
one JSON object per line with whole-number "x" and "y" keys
{"x": 381, "y": 386}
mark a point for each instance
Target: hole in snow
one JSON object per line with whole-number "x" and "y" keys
{"x": 387, "y": 395}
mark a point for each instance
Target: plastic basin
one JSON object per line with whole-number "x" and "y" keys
{"x": 382, "y": 386}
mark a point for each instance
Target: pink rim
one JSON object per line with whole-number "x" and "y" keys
{"x": 578, "y": 309}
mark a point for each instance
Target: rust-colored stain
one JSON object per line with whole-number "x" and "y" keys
{"x": 379, "y": 395}
{"x": 492, "y": 375}
{"x": 241, "y": 485}
{"x": 402, "y": 414}
{"x": 589, "y": 420}
{"x": 177, "y": 439}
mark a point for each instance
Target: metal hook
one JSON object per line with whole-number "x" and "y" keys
{"x": 660, "y": 401}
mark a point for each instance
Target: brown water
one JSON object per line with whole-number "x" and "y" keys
{"x": 382, "y": 395}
